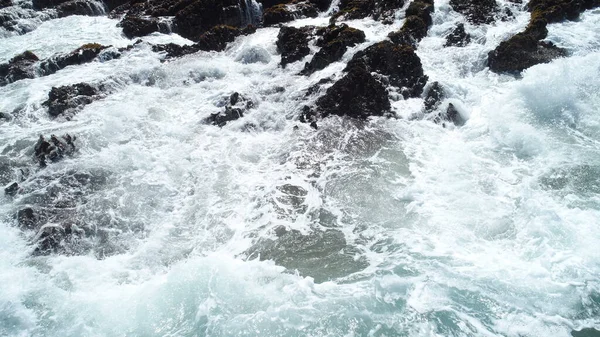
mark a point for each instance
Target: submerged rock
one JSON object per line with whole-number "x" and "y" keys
{"x": 12, "y": 189}
{"x": 292, "y": 43}
{"x": 334, "y": 42}
{"x": 358, "y": 95}
{"x": 55, "y": 149}
{"x": 458, "y": 37}
{"x": 234, "y": 108}
{"x": 322, "y": 255}
{"x": 587, "y": 332}
{"x": 433, "y": 98}
{"x": 69, "y": 99}
{"x": 398, "y": 63}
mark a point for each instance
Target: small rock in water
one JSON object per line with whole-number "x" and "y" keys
{"x": 12, "y": 189}
{"x": 54, "y": 150}
{"x": 587, "y": 332}
{"x": 67, "y": 100}
{"x": 434, "y": 97}
{"x": 18, "y": 68}
{"x": 235, "y": 107}
{"x": 292, "y": 43}
{"x": 458, "y": 37}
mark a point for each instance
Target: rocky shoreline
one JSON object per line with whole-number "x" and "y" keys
{"x": 363, "y": 90}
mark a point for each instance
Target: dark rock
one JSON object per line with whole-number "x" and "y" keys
{"x": 55, "y": 149}
{"x": 26, "y": 218}
{"x": 290, "y": 11}
{"x": 67, "y": 100}
{"x": 42, "y": 4}
{"x": 5, "y": 3}
{"x": 84, "y": 54}
{"x": 359, "y": 9}
{"x": 458, "y": 37}
{"x": 524, "y": 50}
{"x": 323, "y": 255}
{"x": 12, "y": 189}
{"x": 80, "y": 7}
{"x": 417, "y": 23}
{"x": 454, "y": 116}
{"x": 201, "y": 15}
{"x": 235, "y": 107}
{"x": 559, "y": 10}
{"x": 217, "y": 37}
{"x": 358, "y": 94}
{"x": 433, "y": 98}
{"x": 292, "y": 43}
{"x": 399, "y": 63}
{"x": 335, "y": 41}
{"x": 175, "y": 50}
{"x": 476, "y": 11}
{"x": 18, "y": 68}
{"x": 134, "y": 26}
{"x": 112, "y": 4}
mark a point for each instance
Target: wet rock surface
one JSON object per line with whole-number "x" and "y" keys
{"x": 234, "y": 107}
{"x": 68, "y": 100}
{"x": 477, "y": 11}
{"x": 322, "y": 255}
{"x": 134, "y": 26}
{"x": 84, "y": 54}
{"x": 458, "y": 37}
{"x": 359, "y": 9}
{"x": 398, "y": 63}
{"x": 292, "y": 43}
{"x": 334, "y": 42}
{"x": 18, "y": 68}
{"x": 289, "y": 11}
{"x": 358, "y": 95}
{"x": 417, "y": 23}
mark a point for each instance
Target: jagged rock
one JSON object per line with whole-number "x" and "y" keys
{"x": 12, "y": 189}
{"x": 458, "y": 37}
{"x": 334, "y": 41}
{"x": 433, "y": 98}
{"x": 454, "y": 116}
{"x": 18, "y": 68}
{"x": 288, "y": 12}
{"x": 476, "y": 11}
{"x": 292, "y": 43}
{"x": 418, "y": 20}
{"x": 84, "y": 54}
{"x": 55, "y": 149}
{"x": 235, "y": 107}
{"x": 524, "y": 50}
{"x": 67, "y": 100}
{"x": 358, "y": 9}
{"x": 26, "y": 218}
{"x": 175, "y": 50}
{"x": 358, "y": 95}
{"x": 42, "y": 4}
{"x": 5, "y": 3}
{"x": 319, "y": 4}
{"x": 399, "y": 63}
{"x": 323, "y": 255}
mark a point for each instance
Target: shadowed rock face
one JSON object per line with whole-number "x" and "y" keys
{"x": 415, "y": 27}
{"x": 358, "y": 95}
{"x": 334, "y": 43}
{"x": 323, "y": 255}
{"x": 292, "y": 43}
{"x": 399, "y": 63}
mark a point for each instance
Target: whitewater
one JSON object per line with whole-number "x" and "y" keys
{"x": 405, "y": 227}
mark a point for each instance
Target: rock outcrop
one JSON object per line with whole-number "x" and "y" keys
{"x": 458, "y": 37}
{"x": 417, "y": 23}
{"x": 377, "y": 9}
{"x": 68, "y": 100}
{"x": 292, "y": 43}
{"x": 18, "y": 68}
{"x": 289, "y": 11}
{"x": 334, "y": 42}
{"x": 477, "y": 11}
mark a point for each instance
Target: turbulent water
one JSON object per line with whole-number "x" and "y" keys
{"x": 408, "y": 228}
